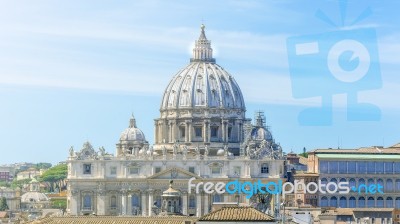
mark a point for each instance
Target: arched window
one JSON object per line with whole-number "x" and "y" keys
{"x": 352, "y": 202}
{"x": 352, "y": 183}
{"x": 361, "y": 202}
{"x": 343, "y": 202}
{"x": 332, "y": 186}
{"x": 379, "y": 202}
{"x": 324, "y": 181}
{"x": 397, "y": 185}
{"x": 113, "y": 201}
{"x": 371, "y": 202}
{"x": 397, "y": 205}
{"x": 361, "y": 181}
{"x": 380, "y": 182}
{"x": 389, "y": 185}
{"x": 371, "y": 182}
{"x": 87, "y": 202}
{"x": 324, "y": 202}
{"x": 135, "y": 200}
{"x": 333, "y": 202}
{"x": 389, "y": 202}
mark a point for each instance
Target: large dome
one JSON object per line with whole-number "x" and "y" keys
{"x": 202, "y": 83}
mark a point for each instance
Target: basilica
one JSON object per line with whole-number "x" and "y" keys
{"x": 202, "y": 133}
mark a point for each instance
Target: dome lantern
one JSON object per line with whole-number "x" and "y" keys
{"x": 202, "y": 50}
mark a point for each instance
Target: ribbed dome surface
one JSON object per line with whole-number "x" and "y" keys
{"x": 132, "y": 133}
{"x": 202, "y": 84}
{"x": 31, "y": 197}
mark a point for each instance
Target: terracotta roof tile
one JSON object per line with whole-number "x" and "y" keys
{"x": 243, "y": 214}
{"x": 114, "y": 220}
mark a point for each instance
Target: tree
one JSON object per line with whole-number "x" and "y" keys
{"x": 3, "y": 204}
{"x": 55, "y": 176}
{"x": 20, "y": 183}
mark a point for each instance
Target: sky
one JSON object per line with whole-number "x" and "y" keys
{"x": 75, "y": 71}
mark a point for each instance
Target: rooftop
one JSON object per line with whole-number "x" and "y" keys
{"x": 114, "y": 220}
{"x": 242, "y": 214}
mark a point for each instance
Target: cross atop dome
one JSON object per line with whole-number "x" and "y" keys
{"x": 202, "y": 50}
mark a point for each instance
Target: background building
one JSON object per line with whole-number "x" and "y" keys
{"x": 361, "y": 167}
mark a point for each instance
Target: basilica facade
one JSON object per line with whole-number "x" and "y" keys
{"x": 202, "y": 134}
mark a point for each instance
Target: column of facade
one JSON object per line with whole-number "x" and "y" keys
{"x": 123, "y": 202}
{"x": 184, "y": 203}
{"x": 129, "y": 210}
{"x": 150, "y": 204}
{"x": 156, "y": 131}
{"x": 223, "y": 130}
{"x": 144, "y": 203}
{"x": 205, "y": 137}
{"x": 240, "y": 131}
{"x": 206, "y": 199}
{"x": 186, "y": 131}
{"x": 198, "y": 205}
{"x": 170, "y": 132}
{"x": 73, "y": 203}
{"x": 101, "y": 203}
{"x": 190, "y": 131}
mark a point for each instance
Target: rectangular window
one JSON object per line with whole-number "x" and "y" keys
{"x": 342, "y": 167}
{"x": 333, "y": 167}
{"x": 379, "y": 167}
{"x": 216, "y": 170}
{"x": 134, "y": 170}
{"x": 87, "y": 168}
{"x": 191, "y": 169}
{"x": 397, "y": 167}
{"x": 361, "y": 167}
{"x": 323, "y": 167}
{"x": 371, "y": 167}
{"x": 351, "y": 167}
{"x": 236, "y": 170}
{"x": 229, "y": 132}
{"x": 388, "y": 167}
{"x": 214, "y": 132}
{"x": 157, "y": 169}
{"x": 113, "y": 170}
{"x": 198, "y": 132}
{"x": 264, "y": 168}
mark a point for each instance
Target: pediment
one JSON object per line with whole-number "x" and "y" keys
{"x": 174, "y": 173}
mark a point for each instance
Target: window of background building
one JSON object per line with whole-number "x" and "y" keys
{"x": 87, "y": 202}
{"x": 397, "y": 167}
{"x": 333, "y": 167}
{"x": 379, "y": 167}
{"x": 157, "y": 169}
{"x": 113, "y": 202}
{"x": 361, "y": 167}
{"x": 229, "y": 132}
{"x": 388, "y": 167}
{"x": 351, "y": 167}
{"x": 371, "y": 167}
{"x": 87, "y": 168}
{"x": 342, "y": 167}
{"x": 191, "y": 169}
{"x": 192, "y": 201}
{"x": 323, "y": 167}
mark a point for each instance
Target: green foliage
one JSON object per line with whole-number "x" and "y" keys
{"x": 3, "y": 204}
{"x": 43, "y": 166}
{"x": 54, "y": 175}
{"x": 20, "y": 183}
{"x": 304, "y": 154}
{"x": 5, "y": 184}
{"x": 59, "y": 203}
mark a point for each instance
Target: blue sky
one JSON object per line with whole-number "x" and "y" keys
{"x": 72, "y": 71}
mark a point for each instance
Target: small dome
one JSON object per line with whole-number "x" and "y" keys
{"x": 171, "y": 192}
{"x": 132, "y": 133}
{"x": 33, "y": 197}
{"x": 261, "y": 133}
